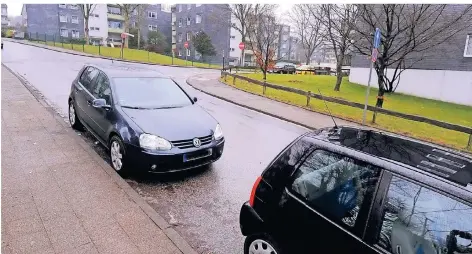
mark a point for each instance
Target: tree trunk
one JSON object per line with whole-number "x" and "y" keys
{"x": 264, "y": 72}
{"x": 339, "y": 74}
{"x": 126, "y": 29}
{"x": 139, "y": 38}
{"x": 380, "y": 77}
{"x": 87, "y": 38}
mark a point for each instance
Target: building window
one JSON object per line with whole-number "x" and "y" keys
{"x": 198, "y": 5}
{"x": 189, "y": 6}
{"x": 180, "y": 37}
{"x": 75, "y": 34}
{"x": 233, "y": 24}
{"x": 180, "y": 22}
{"x": 63, "y": 6}
{"x": 152, "y": 27}
{"x": 95, "y": 15}
{"x": 468, "y": 46}
{"x": 74, "y": 19}
{"x": 188, "y": 52}
{"x": 189, "y": 36}
{"x": 232, "y": 37}
{"x": 114, "y": 24}
{"x": 180, "y": 8}
{"x": 152, "y": 14}
{"x": 64, "y": 32}
{"x": 63, "y": 18}
{"x": 232, "y": 49}
{"x": 284, "y": 46}
{"x": 73, "y": 7}
{"x": 198, "y": 19}
{"x": 188, "y": 21}
{"x": 114, "y": 10}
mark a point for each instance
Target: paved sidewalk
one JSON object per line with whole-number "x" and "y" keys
{"x": 209, "y": 84}
{"x": 59, "y": 196}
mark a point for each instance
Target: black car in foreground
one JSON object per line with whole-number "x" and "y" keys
{"x": 147, "y": 121}
{"x": 348, "y": 190}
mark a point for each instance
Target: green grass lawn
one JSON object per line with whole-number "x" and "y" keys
{"x": 443, "y": 111}
{"x": 129, "y": 54}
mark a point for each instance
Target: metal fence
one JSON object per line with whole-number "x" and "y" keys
{"x": 107, "y": 50}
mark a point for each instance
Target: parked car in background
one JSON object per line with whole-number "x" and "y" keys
{"x": 284, "y": 68}
{"x": 147, "y": 121}
{"x": 349, "y": 190}
{"x": 305, "y": 67}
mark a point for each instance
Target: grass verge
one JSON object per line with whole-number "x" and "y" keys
{"x": 129, "y": 54}
{"x": 443, "y": 111}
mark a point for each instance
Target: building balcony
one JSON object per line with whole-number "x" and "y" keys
{"x": 115, "y": 30}
{"x": 115, "y": 17}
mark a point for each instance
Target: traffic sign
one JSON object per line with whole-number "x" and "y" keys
{"x": 241, "y": 45}
{"x": 377, "y": 38}
{"x": 375, "y": 53}
{"x": 186, "y": 44}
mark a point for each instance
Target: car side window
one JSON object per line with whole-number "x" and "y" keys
{"x": 419, "y": 220}
{"x": 87, "y": 77}
{"x": 335, "y": 185}
{"x": 101, "y": 88}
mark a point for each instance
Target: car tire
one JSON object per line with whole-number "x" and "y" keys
{"x": 261, "y": 243}
{"x": 73, "y": 118}
{"x": 118, "y": 155}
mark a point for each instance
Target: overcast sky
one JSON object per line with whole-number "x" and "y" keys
{"x": 14, "y": 9}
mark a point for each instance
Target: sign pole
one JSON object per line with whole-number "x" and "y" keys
{"x": 373, "y": 59}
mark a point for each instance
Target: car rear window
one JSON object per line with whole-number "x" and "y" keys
{"x": 150, "y": 93}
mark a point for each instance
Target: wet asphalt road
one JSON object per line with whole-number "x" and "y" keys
{"x": 204, "y": 204}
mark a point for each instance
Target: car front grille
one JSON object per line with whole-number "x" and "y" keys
{"x": 188, "y": 143}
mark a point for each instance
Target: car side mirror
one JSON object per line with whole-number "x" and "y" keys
{"x": 195, "y": 99}
{"x": 100, "y": 103}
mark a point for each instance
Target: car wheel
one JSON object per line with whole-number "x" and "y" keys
{"x": 73, "y": 119}
{"x": 117, "y": 155}
{"x": 261, "y": 244}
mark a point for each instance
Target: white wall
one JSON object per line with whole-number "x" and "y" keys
{"x": 451, "y": 86}
{"x": 101, "y": 21}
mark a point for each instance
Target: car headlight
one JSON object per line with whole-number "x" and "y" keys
{"x": 153, "y": 142}
{"x": 218, "y": 134}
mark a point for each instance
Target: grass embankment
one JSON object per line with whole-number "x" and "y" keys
{"x": 442, "y": 111}
{"x": 129, "y": 54}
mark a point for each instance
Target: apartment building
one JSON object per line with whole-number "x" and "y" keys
{"x": 283, "y": 45}
{"x": 5, "y": 15}
{"x": 157, "y": 17}
{"x": 53, "y": 20}
{"x": 213, "y": 19}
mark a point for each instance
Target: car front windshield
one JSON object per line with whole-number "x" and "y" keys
{"x": 149, "y": 93}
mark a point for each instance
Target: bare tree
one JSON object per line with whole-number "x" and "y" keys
{"x": 86, "y": 9}
{"x": 140, "y": 17}
{"x": 338, "y": 21}
{"x": 263, "y": 33}
{"x": 307, "y": 28}
{"x": 408, "y": 33}
{"x": 241, "y": 13}
{"x": 127, "y": 10}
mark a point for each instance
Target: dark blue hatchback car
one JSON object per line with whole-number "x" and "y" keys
{"x": 147, "y": 121}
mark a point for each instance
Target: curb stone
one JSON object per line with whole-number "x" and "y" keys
{"x": 166, "y": 228}
{"x": 104, "y": 57}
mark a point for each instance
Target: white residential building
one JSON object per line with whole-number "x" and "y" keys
{"x": 235, "y": 39}
{"x": 98, "y": 24}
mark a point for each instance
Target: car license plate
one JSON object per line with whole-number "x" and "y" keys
{"x": 198, "y": 155}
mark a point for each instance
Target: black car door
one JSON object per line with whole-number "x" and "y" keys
{"x": 82, "y": 94}
{"x": 101, "y": 117}
{"x": 326, "y": 202}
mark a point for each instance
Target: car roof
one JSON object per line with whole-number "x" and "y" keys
{"x": 416, "y": 155}
{"x": 119, "y": 70}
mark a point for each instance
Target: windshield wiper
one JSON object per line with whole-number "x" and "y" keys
{"x": 134, "y": 107}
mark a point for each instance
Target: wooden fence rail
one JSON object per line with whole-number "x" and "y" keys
{"x": 309, "y": 95}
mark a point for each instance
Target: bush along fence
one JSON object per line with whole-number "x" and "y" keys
{"x": 79, "y": 44}
{"x": 375, "y": 110}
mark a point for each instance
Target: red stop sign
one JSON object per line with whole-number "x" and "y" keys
{"x": 186, "y": 44}
{"x": 241, "y": 45}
